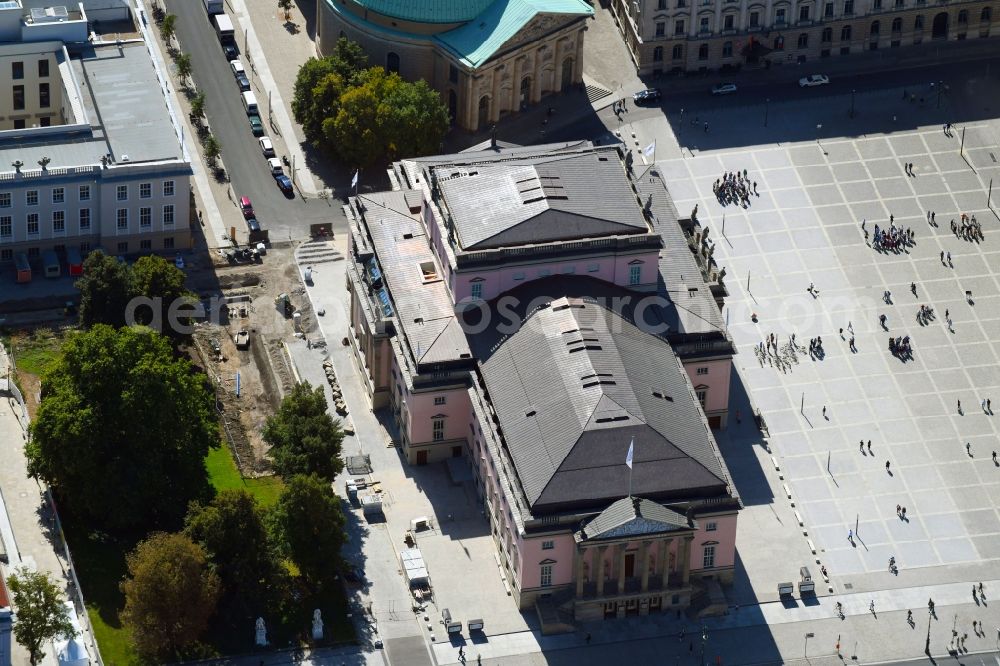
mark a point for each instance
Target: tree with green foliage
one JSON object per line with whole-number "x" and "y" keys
{"x": 123, "y": 429}
{"x": 42, "y": 612}
{"x": 385, "y": 116}
{"x": 286, "y": 7}
{"x": 105, "y": 289}
{"x": 232, "y": 531}
{"x": 304, "y": 438}
{"x": 168, "y": 27}
{"x": 160, "y": 281}
{"x": 212, "y": 148}
{"x": 170, "y": 595}
{"x": 307, "y": 526}
{"x": 320, "y": 83}
{"x": 184, "y": 67}
{"x": 108, "y": 286}
{"x": 198, "y": 105}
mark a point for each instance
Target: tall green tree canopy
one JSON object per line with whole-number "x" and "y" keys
{"x": 319, "y": 84}
{"x": 307, "y": 526}
{"x": 385, "y": 116}
{"x": 170, "y": 595}
{"x": 304, "y": 438}
{"x": 105, "y": 289}
{"x": 232, "y": 531}
{"x": 123, "y": 429}
{"x": 363, "y": 115}
{"x": 42, "y": 613}
{"x": 156, "y": 278}
{"x": 108, "y": 286}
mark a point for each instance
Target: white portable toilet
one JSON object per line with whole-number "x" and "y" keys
{"x": 297, "y": 322}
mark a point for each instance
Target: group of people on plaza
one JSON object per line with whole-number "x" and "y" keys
{"x": 968, "y": 229}
{"x": 900, "y": 348}
{"x": 894, "y": 239}
{"x": 735, "y": 188}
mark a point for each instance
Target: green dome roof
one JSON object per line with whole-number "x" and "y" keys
{"x": 428, "y": 11}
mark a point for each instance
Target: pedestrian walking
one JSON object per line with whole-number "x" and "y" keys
{"x": 850, "y": 535}
{"x": 984, "y": 404}
{"x": 933, "y": 216}
{"x": 824, "y": 411}
{"x": 909, "y": 616}
{"x": 861, "y": 444}
{"x": 850, "y": 345}
{"x": 948, "y": 255}
{"x": 887, "y": 465}
{"x": 989, "y": 409}
{"x": 959, "y": 402}
{"x": 850, "y": 327}
{"x": 588, "y": 638}
{"x": 913, "y": 288}
{"x": 871, "y": 606}
{"x": 706, "y": 127}
{"x": 942, "y": 256}
{"x": 870, "y": 447}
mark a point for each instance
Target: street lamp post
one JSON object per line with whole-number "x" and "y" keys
{"x": 940, "y": 88}
{"x": 805, "y": 650}
{"x": 704, "y": 640}
{"x": 852, "y": 103}
{"x": 767, "y": 104}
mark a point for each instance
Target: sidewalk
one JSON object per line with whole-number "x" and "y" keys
{"x": 786, "y": 626}
{"x": 28, "y": 542}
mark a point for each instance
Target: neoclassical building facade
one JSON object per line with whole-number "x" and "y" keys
{"x": 487, "y": 58}
{"x": 695, "y": 35}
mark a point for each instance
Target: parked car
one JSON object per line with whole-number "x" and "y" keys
{"x": 230, "y": 50}
{"x": 237, "y": 67}
{"x": 246, "y": 207}
{"x": 814, "y": 80}
{"x": 724, "y": 89}
{"x": 274, "y": 164}
{"x": 284, "y": 183}
{"x": 179, "y": 261}
{"x": 646, "y": 96}
{"x": 266, "y": 146}
{"x": 256, "y": 126}
{"x": 253, "y": 225}
{"x": 242, "y": 81}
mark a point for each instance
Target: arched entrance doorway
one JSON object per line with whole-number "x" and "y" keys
{"x": 452, "y": 106}
{"x": 940, "y": 29}
{"x": 484, "y": 112}
{"x": 567, "y": 74}
{"x": 525, "y": 92}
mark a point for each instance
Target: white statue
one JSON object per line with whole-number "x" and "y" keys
{"x": 317, "y": 626}
{"x": 261, "y": 639}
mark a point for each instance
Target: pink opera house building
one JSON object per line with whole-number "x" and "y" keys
{"x": 538, "y": 311}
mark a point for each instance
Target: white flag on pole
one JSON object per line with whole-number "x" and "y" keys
{"x": 649, "y": 150}
{"x": 628, "y": 458}
{"x": 354, "y": 181}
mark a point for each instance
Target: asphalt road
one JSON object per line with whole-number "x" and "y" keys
{"x": 246, "y": 166}
{"x": 787, "y": 89}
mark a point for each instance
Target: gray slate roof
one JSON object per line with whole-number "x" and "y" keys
{"x": 634, "y": 516}
{"x": 694, "y": 309}
{"x": 576, "y": 383}
{"x": 503, "y": 199}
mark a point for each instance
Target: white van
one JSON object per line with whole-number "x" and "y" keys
{"x": 249, "y": 102}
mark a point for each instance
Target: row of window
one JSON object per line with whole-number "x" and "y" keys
{"x": 22, "y": 123}
{"x": 707, "y": 562}
{"x": 17, "y": 69}
{"x": 59, "y": 221}
{"x": 83, "y": 194}
{"x": 18, "y": 99}
{"x": 729, "y": 20}
{"x": 146, "y": 244}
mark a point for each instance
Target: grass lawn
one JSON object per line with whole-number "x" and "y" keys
{"x": 100, "y": 566}
{"x": 34, "y": 353}
{"x": 223, "y": 474}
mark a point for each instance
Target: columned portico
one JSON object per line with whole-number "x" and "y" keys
{"x": 636, "y": 531}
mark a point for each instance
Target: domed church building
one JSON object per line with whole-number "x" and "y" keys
{"x": 487, "y": 58}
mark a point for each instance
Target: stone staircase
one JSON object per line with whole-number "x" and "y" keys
{"x": 317, "y": 252}
{"x": 595, "y": 93}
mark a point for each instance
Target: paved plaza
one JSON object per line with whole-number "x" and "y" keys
{"x": 806, "y": 228}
